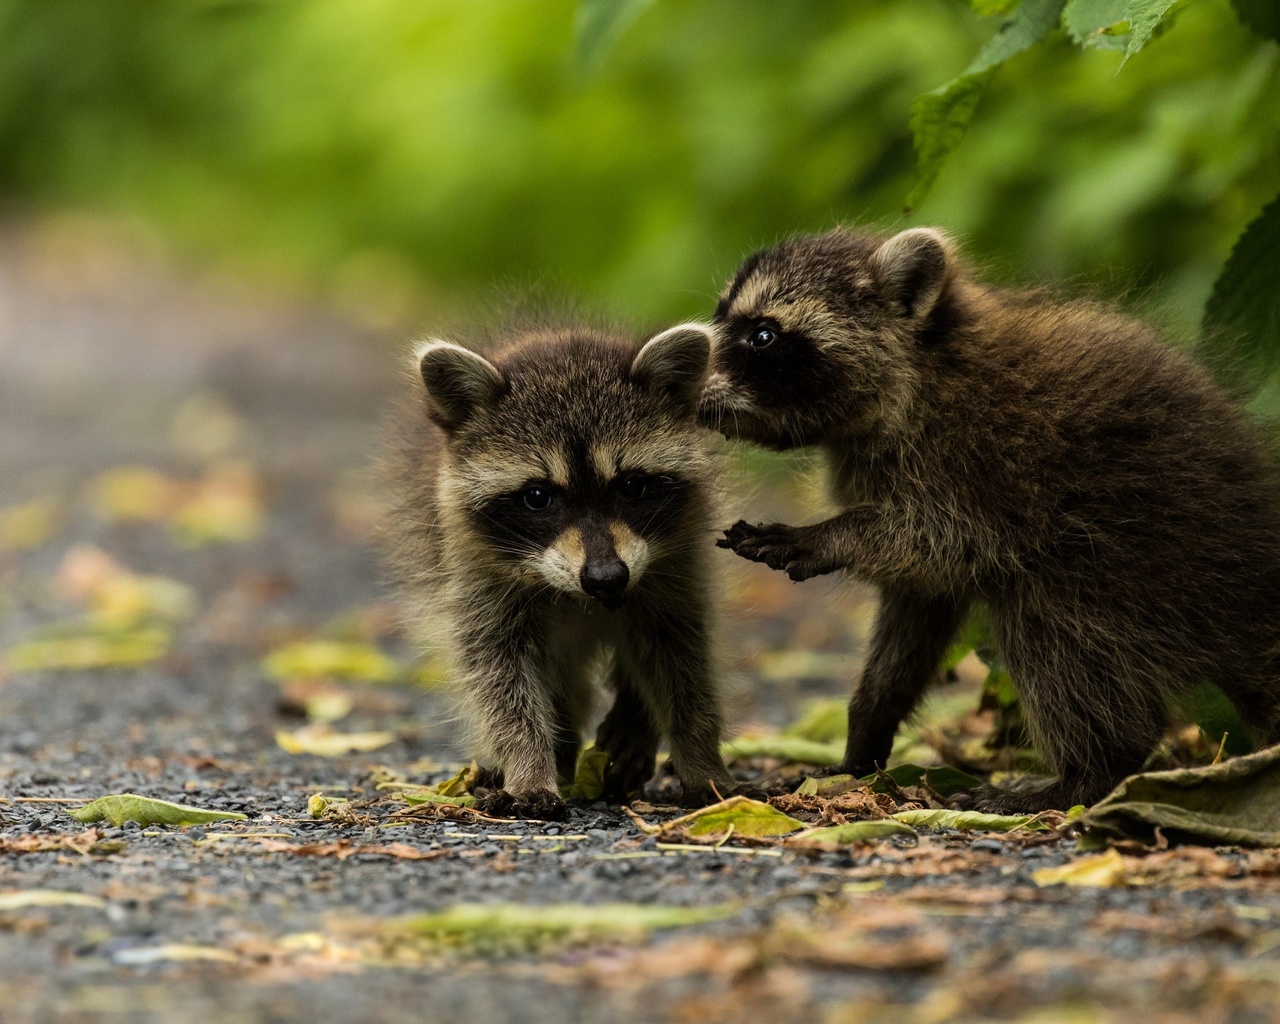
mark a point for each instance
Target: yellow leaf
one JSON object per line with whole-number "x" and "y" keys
{"x": 307, "y": 659}
{"x": 18, "y": 899}
{"x": 134, "y": 492}
{"x": 588, "y": 778}
{"x": 746, "y": 817}
{"x": 1102, "y": 870}
{"x": 90, "y": 650}
{"x": 173, "y": 951}
{"x": 226, "y": 506}
{"x": 322, "y": 741}
{"x": 28, "y": 525}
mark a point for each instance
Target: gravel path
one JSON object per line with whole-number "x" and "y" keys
{"x": 106, "y": 361}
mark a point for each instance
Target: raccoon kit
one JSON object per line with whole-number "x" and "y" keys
{"x": 553, "y": 519}
{"x": 1053, "y": 459}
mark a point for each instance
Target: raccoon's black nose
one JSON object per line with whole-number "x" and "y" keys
{"x": 605, "y": 580}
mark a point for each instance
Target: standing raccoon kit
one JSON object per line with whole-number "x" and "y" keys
{"x": 563, "y": 524}
{"x": 1055, "y": 460}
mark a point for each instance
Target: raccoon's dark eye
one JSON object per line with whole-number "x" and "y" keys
{"x": 762, "y": 335}
{"x": 537, "y": 497}
{"x": 633, "y": 486}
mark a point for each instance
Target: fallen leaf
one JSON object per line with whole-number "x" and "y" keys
{"x": 225, "y": 506}
{"x": 588, "y": 778}
{"x": 90, "y": 650}
{"x": 971, "y": 821}
{"x": 505, "y": 928}
{"x": 28, "y": 525}
{"x": 739, "y": 815}
{"x": 121, "y": 807}
{"x": 853, "y": 833}
{"x": 173, "y": 951}
{"x": 134, "y": 493}
{"x": 344, "y": 848}
{"x": 822, "y": 721}
{"x": 1234, "y": 802}
{"x": 1102, "y": 870}
{"x": 310, "y": 659}
{"x": 18, "y": 899}
{"x": 832, "y": 785}
{"x": 321, "y": 741}
{"x": 942, "y": 779}
{"x": 787, "y": 748}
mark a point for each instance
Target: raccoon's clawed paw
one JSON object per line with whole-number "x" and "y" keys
{"x": 626, "y": 772}
{"x": 789, "y": 549}
{"x": 1027, "y": 798}
{"x": 539, "y": 805}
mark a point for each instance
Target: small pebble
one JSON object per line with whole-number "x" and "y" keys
{"x": 989, "y": 845}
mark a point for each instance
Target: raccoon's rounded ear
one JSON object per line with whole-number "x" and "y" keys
{"x": 913, "y": 267}
{"x": 458, "y": 381}
{"x": 675, "y": 362}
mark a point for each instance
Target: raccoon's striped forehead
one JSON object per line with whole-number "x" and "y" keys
{"x": 571, "y": 414}
{"x": 802, "y": 285}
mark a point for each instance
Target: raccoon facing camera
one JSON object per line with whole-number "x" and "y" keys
{"x": 1054, "y": 459}
{"x": 553, "y": 527}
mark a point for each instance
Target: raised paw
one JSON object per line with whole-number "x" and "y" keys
{"x": 538, "y": 805}
{"x": 1026, "y": 798}
{"x": 789, "y": 549}
{"x": 627, "y": 771}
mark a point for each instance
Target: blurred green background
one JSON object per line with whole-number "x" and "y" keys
{"x": 396, "y": 158}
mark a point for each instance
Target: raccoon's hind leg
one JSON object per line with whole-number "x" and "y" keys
{"x": 667, "y": 658}
{"x": 911, "y": 634}
{"x": 630, "y": 738}
{"x": 1092, "y": 722}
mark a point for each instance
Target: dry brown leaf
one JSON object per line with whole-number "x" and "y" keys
{"x": 344, "y": 848}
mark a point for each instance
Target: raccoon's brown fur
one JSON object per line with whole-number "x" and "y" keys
{"x": 1054, "y": 459}
{"x": 553, "y": 518}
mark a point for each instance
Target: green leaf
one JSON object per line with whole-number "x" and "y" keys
{"x": 970, "y": 821}
{"x": 588, "y": 776}
{"x": 1210, "y": 709}
{"x": 454, "y": 790}
{"x": 746, "y": 817}
{"x": 1144, "y": 16}
{"x": 832, "y": 785}
{"x": 855, "y": 832}
{"x": 309, "y": 659}
{"x": 121, "y": 807}
{"x": 822, "y": 721}
{"x": 1263, "y": 16}
{"x": 1242, "y": 316}
{"x": 600, "y": 24}
{"x": 485, "y": 929}
{"x": 787, "y": 748}
{"x": 1236, "y": 802}
{"x": 942, "y": 779}
{"x": 940, "y": 117}
{"x": 1098, "y": 24}
{"x": 988, "y": 8}
{"x": 91, "y": 649}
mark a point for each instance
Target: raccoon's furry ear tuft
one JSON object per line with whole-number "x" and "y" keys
{"x": 675, "y": 362}
{"x": 458, "y": 381}
{"x": 913, "y": 266}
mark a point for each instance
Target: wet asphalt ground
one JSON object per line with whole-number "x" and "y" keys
{"x": 101, "y": 356}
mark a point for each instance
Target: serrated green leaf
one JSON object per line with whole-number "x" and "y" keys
{"x": 1242, "y": 316}
{"x": 1263, "y": 16}
{"x": 600, "y": 24}
{"x": 939, "y": 118}
{"x": 787, "y": 748}
{"x": 970, "y": 821}
{"x": 855, "y": 832}
{"x": 942, "y": 779}
{"x": 1144, "y": 16}
{"x": 1098, "y": 24}
{"x": 121, "y": 807}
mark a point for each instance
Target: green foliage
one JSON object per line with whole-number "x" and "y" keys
{"x": 599, "y": 25}
{"x": 940, "y": 117}
{"x": 121, "y": 807}
{"x": 1242, "y": 316}
{"x": 1263, "y": 16}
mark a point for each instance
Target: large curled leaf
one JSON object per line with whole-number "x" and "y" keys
{"x": 940, "y": 117}
{"x": 1242, "y": 316}
{"x": 121, "y": 807}
{"x": 1235, "y": 802}
{"x": 600, "y": 24}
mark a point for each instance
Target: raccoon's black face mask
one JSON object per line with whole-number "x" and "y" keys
{"x": 574, "y": 460}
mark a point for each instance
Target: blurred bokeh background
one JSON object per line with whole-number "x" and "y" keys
{"x": 397, "y": 159}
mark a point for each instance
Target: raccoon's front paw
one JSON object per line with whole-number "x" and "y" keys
{"x": 626, "y": 772}
{"x": 790, "y": 549}
{"x": 1024, "y": 798}
{"x": 538, "y": 805}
